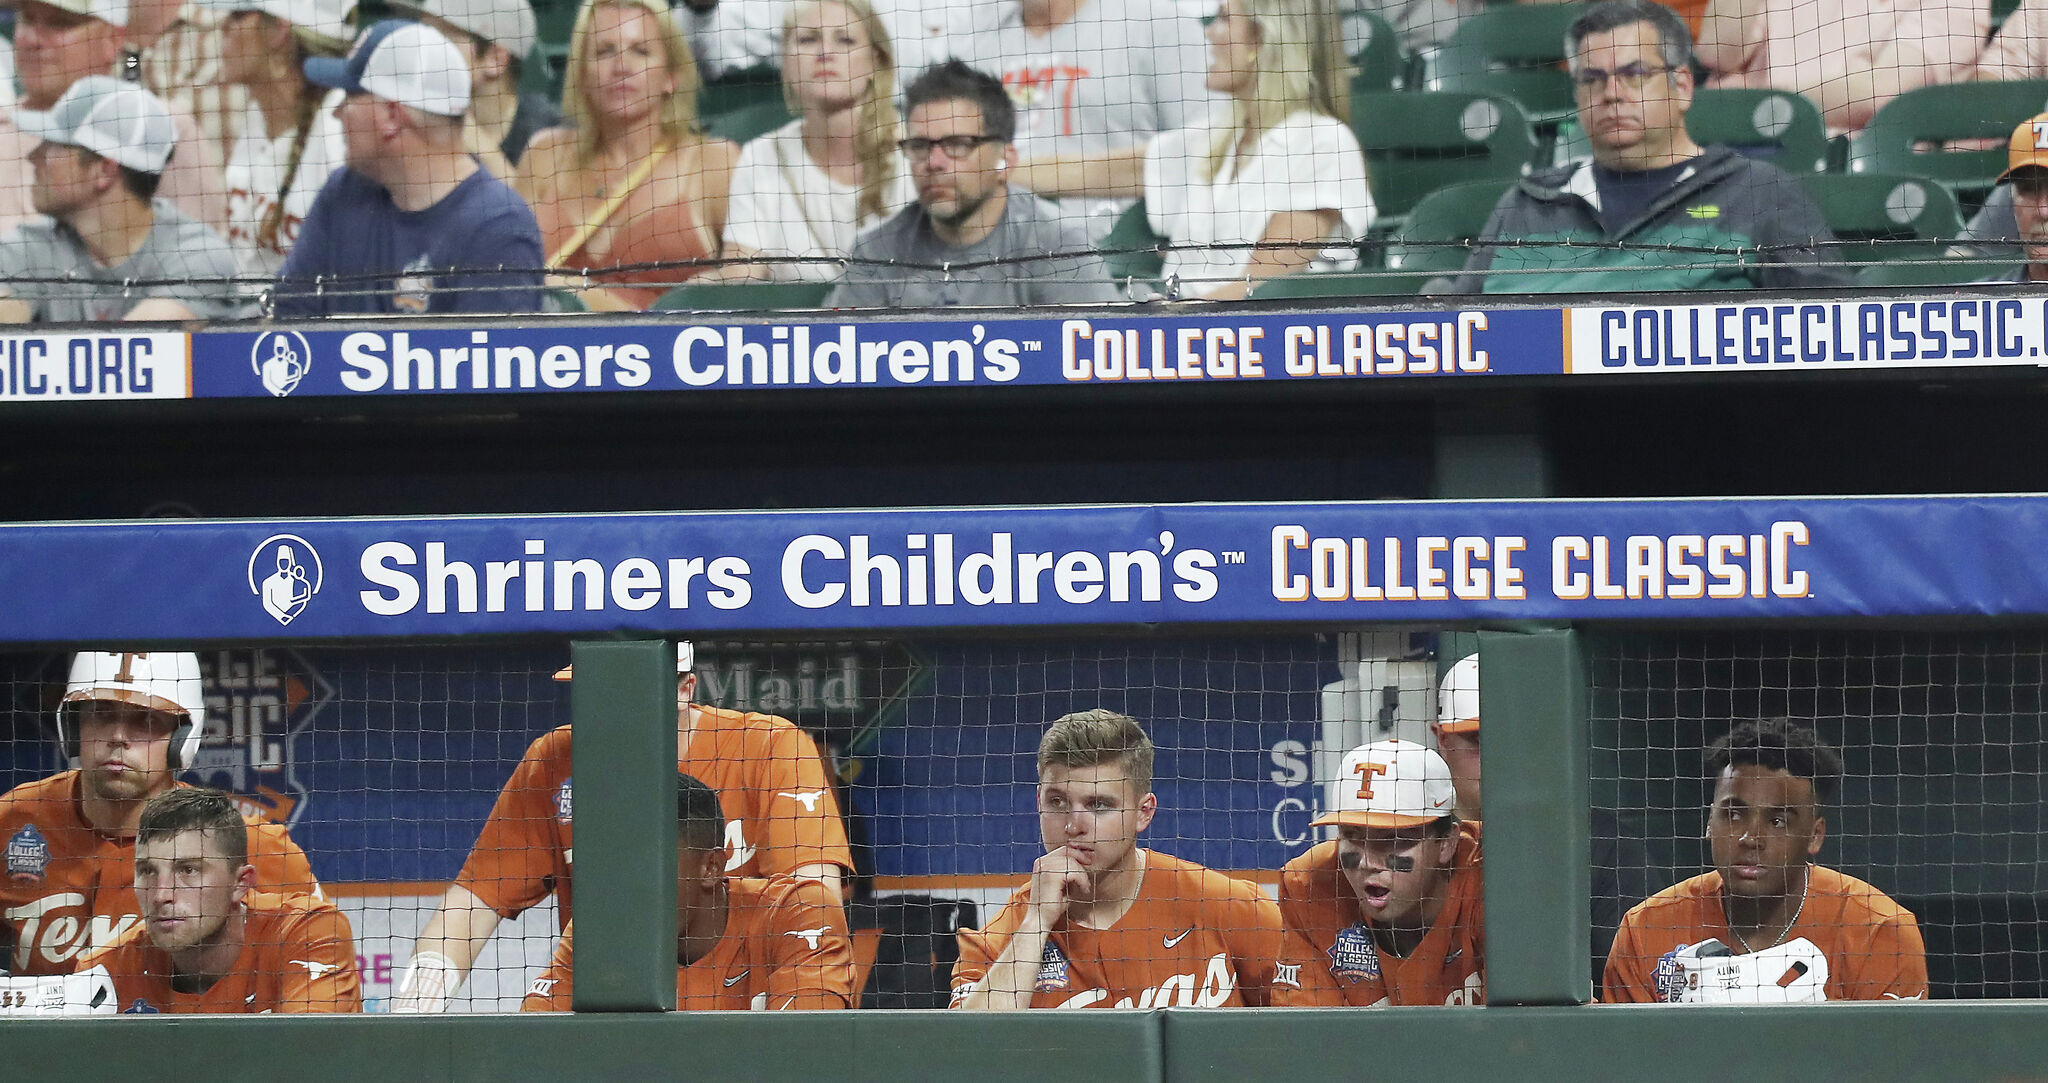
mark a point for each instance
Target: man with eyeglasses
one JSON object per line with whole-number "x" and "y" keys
{"x": 970, "y": 240}
{"x": 1653, "y": 210}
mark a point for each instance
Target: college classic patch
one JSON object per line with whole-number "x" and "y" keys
{"x": 1052, "y": 969}
{"x": 28, "y": 854}
{"x": 1669, "y": 977}
{"x": 1352, "y": 955}
{"x": 565, "y": 801}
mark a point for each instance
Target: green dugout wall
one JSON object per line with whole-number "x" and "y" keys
{"x": 1536, "y": 1028}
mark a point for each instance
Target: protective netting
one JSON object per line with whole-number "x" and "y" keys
{"x": 758, "y": 155}
{"x": 911, "y": 763}
{"x": 1939, "y": 735}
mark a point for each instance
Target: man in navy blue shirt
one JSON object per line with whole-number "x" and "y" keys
{"x": 414, "y": 223}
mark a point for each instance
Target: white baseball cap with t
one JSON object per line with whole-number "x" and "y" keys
{"x": 405, "y": 62}
{"x": 1390, "y": 784}
{"x": 116, "y": 120}
{"x": 506, "y": 23}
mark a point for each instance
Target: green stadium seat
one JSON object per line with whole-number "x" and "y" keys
{"x": 1776, "y": 126}
{"x": 1885, "y": 216}
{"x": 740, "y": 90}
{"x": 742, "y": 296}
{"x": 1416, "y": 143}
{"x": 1379, "y": 61}
{"x": 1451, "y": 215}
{"x": 1910, "y": 134}
{"x": 1131, "y": 250}
{"x": 1513, "y": 52}
{"x": 562, "y": 301}
{"x": 749, "y": 122}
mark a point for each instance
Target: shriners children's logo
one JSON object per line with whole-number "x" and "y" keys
{"x": 284, "y": 574}
{"x": 280, "y": 359}
{"x": 28, "y": 854}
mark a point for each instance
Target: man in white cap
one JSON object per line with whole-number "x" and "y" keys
{"x": 59, "y": 42}
{"x": 499, "y": 36}
{"x": 414, "y": 223}
{"x": 1456, "y": 729}
{"x": 109, "y": 249}
{"x": 1394, "y": 902}
{"x": 131, "y": 721}
{"x": 781, "y": 819}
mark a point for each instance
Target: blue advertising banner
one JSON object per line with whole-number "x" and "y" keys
{"x": 1004, "y": 567}
{"x": 556, "y": 357}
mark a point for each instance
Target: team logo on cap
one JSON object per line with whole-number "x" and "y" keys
{"x": 28, "y": 854}
{"x": 1353, "y": 957}
{"x": 1052, "y": 970}
{"x": 290, "y": 574}
{"x": 565, "y": 800}
{"x": 280, "y": 359}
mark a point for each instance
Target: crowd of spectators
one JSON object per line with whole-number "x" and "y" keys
{"x": 429, "y": 174}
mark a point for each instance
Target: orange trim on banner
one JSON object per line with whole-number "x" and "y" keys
{"x": 1568, "y": 342}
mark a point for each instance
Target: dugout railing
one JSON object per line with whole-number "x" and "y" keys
{"x": 1974, "y": 562}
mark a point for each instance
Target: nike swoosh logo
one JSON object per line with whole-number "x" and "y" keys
{"x": 1173, "y": 940}
{"x": 735, "y": 979}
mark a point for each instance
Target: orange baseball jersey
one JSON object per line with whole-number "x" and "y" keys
{"x": 297, "y": 956}
{"x": 1872, "y": 944}
{"x": 780, "y": 814}
{"x": 1193, "y": 938}
{"x": 70, "y": 889}
{"x": 785, "y": 948}
{"x": 1448, "y": 967}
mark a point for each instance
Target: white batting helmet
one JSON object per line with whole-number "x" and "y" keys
{"x": 1458, "y": 698}
{"x": 166, "y": 681}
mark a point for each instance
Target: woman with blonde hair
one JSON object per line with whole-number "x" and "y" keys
{"x": 634, "y": 180}
{"x": 1246, "y": 194}
{"x": 288, "y": 139}
{"x": 802, "y": 192}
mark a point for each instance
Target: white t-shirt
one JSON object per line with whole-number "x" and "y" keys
{"x": 782, "y": 205}
{"x": 255, "y": 173}
{"x": 1308, "y": 162}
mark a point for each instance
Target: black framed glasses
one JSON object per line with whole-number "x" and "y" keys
{"x": 956, "y": 147}
{"x": 1632, "y": 76}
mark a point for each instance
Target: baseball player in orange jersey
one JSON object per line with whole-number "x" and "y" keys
{"x": 1393, "y": 906}
{"x": 778, "y": 944}
{"x": 1768, "y": 925}
{"x": 1105, "y": 923}
{"x": 208, "y": 942}
{"x": 131, "y": 721}
{"x": 781, "y": 819}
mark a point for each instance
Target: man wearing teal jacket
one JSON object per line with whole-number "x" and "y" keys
{"x": 1653, "y": 210}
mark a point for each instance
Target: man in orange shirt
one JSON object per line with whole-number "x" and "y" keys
{"x": 1768, "y": 925}
{"x": 208, "y": 941}
{"x": 1106, "y": 923}
{"x": 742, "y": 943}
{"x": 781, "y": 818}
{"x": 1394, "y": 903}
{"x": 130, "y": 721}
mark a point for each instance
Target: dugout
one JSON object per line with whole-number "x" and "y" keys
{"x": 1725, "y": 433}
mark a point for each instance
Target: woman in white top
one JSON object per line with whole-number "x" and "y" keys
{"x": 288, "y": 139}
{"x": 802, "y": 192}
{"x": 1278, "y": 168}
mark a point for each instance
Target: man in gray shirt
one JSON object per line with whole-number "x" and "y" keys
{"x": 1017, "y": 250}
{"x": 1088, "y": 77}
{"x": 109, "y": 250}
